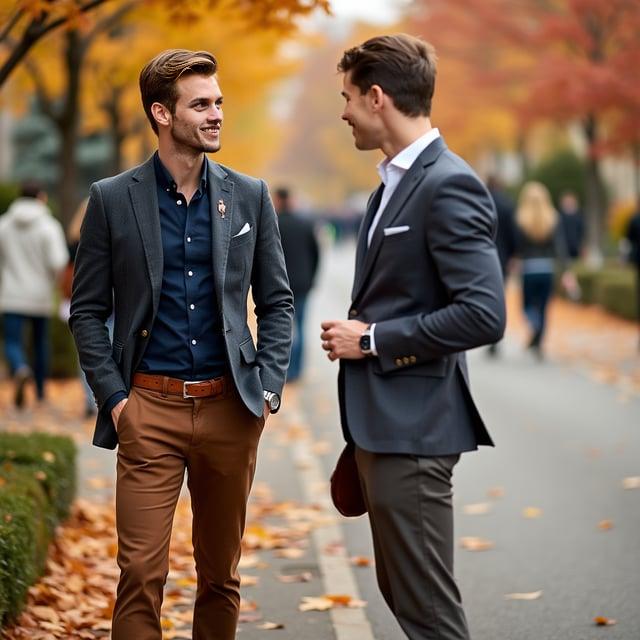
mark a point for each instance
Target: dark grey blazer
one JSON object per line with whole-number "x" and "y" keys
{"x": 119, "y": 266}
{"x": 433, "y": 286}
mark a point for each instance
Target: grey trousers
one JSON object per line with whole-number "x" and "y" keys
{"x": 411, "y": 516}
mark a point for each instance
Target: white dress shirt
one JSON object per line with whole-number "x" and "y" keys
{"x": 391, "y": 172}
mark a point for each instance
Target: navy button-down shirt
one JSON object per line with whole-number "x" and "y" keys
{"x": 186, "y": 340}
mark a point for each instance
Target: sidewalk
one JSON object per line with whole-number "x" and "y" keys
{"x": 294, "y": 545}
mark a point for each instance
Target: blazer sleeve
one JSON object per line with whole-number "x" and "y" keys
{"x": 459, "y": 234}
{"x": 92, "y": 302}
{"x": 273, "y": 299}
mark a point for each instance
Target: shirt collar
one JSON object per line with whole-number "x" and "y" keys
{"x": 165, "y": 179}
{"x": 405, "y": 158}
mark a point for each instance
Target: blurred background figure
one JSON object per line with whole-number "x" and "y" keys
{"x": 33, "y": 253}
{"x": 633, "y": 236}
{"x": 540, "y": 245}
{"x": 302, "y": 256}
{"x": 506, "y": 236}
{"x": 572, "y": 223}
{"x": 66, "y": 282}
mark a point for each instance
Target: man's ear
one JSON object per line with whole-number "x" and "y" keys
{"x": 376, "y": 96}
{"x": 161, "y": 114}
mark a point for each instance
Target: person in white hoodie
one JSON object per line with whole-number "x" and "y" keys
{"x": 33, "y": 253}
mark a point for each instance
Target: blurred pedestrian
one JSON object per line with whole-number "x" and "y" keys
{"x": 541, "y": 247}
{"x": 179, "y": 240}
{"x": 301, "y": 254}
{"x": 427, "y": 287}
{"x": 506, "y": 235}
{"x": 572, "y": 223}
{"x": 633, "y": 236}
{"x": 33, "y": 253}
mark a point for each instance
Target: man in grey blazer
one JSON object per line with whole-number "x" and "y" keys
{"x": 172, "y": 247}
{"x": 427, "y": 287}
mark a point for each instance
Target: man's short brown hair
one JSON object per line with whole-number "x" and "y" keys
{"x": 159, "y": 77}
{"x": 403, "y": 66}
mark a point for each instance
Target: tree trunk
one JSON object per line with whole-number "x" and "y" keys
{"x": 68, "y": 125}
{"x": 595, "y": 196}
{"x": 635, "y": 158}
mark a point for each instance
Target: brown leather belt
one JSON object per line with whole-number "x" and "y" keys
{"x": 184, "y": 388}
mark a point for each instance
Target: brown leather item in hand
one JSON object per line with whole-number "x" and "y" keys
{"x": 346, "y": 492}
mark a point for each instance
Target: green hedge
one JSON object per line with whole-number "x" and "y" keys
{"x": 613, "y": 287}
{"x": 37, "y": 487}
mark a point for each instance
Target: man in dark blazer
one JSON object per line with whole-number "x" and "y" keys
{"x": 172, "y": 246}
{"x": 427, "y": 287}
{"x": 301, "y": 255}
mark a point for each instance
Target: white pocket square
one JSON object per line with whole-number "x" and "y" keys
{"x": 244, "y": 230}
{"x": 392, "y": 231}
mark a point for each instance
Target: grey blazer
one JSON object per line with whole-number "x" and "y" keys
{"x": 433, "y": 286}
{"x": 119, "y": 266}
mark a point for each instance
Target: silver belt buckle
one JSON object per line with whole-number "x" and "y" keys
{"x": 185, "y": 393}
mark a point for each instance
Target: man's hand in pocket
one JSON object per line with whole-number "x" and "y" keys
{"x": 117, "y": 410}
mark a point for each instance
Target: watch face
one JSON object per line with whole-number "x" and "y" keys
{"x": 274, "y": 402}
{"x": 365, "y": 343}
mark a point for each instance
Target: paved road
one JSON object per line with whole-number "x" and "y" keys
{"x": 564, "y": 445}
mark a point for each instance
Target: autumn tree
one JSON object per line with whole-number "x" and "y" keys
{"x": 579, "y": 56}
{"x": 23, "y": 23}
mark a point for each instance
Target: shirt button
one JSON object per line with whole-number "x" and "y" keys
{"x": 179, "y": 202}
{"x": 190, "y": 273}
{"x": 194, "y": 342}
{"x": 189, "y": 239}
{"x": 192, "y": 307}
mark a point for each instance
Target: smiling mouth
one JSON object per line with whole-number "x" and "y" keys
{"x": 211, "y": 130}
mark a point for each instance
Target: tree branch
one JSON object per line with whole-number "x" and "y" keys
{"x": 4, "y": 34}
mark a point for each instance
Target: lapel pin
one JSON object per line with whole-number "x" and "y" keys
{"x": 222, "y": 208}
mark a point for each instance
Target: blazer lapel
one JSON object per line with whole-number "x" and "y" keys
{"x": 144, "y": 200}
{"x": 361, "y": 249}
{"x": 404, "y": 189}
{"x": 221, "y": 206}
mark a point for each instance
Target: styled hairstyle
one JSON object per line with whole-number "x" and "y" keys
{"x": 536, "y": 215}
{"x": 31, "y": 189}
{"x": 159, "y": 76}
{"x": 403, "y": 66}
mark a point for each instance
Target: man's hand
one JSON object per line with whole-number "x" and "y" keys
{"x": 117, "y": 410}
{"x": 341, "y": 339}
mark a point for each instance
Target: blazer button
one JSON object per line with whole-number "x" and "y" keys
{"x": 353, "y": 313}
{"x": 406, "y": 360}
{"x": 413, "y": 359}
{"x": 398, "y": 362}
{"x": 144, "y": 333}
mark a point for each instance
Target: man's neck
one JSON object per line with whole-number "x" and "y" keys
{"x": 185, "y": 169}
{"x": 402, "y": 132}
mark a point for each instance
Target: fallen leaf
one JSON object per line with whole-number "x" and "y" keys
{"x": 496, "y": 492}
{"x": 632, "y": 482}
{"x": 249, "y": 581}
{"x": 478, "y": 509}
{"x": 532, "y": 512}
{"x": 471, "y": 543}
{"x": 307, "y": 576}
{"x": 603, "y": 621}
{"x": 270, "y": 626}
{"x": 532, "y": 595}
{"x": 361, "y": 561}
{"x": 315, "y": 604}
{"x": 605, "y": 525}
{"x": 290, "y": 553}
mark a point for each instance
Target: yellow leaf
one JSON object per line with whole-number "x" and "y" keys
{"x": 270, "y": 626}
{"x": 478, "y": 509}
{"x": 532, "y": 595}
{"x": 532, "y": 512}
{"x": 471, "y": 543}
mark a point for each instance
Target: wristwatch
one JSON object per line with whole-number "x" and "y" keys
{"x": 273, "y": 400}
{"x": 365, "y": 341}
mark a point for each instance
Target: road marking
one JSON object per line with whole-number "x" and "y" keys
{"x": 337, "y": 574}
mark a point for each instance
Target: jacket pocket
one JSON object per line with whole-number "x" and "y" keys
{"x": 432, "y": 369}
{"x": 248, "y": 351}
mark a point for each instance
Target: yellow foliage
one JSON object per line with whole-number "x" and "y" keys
{"x": 620, "y": 214}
